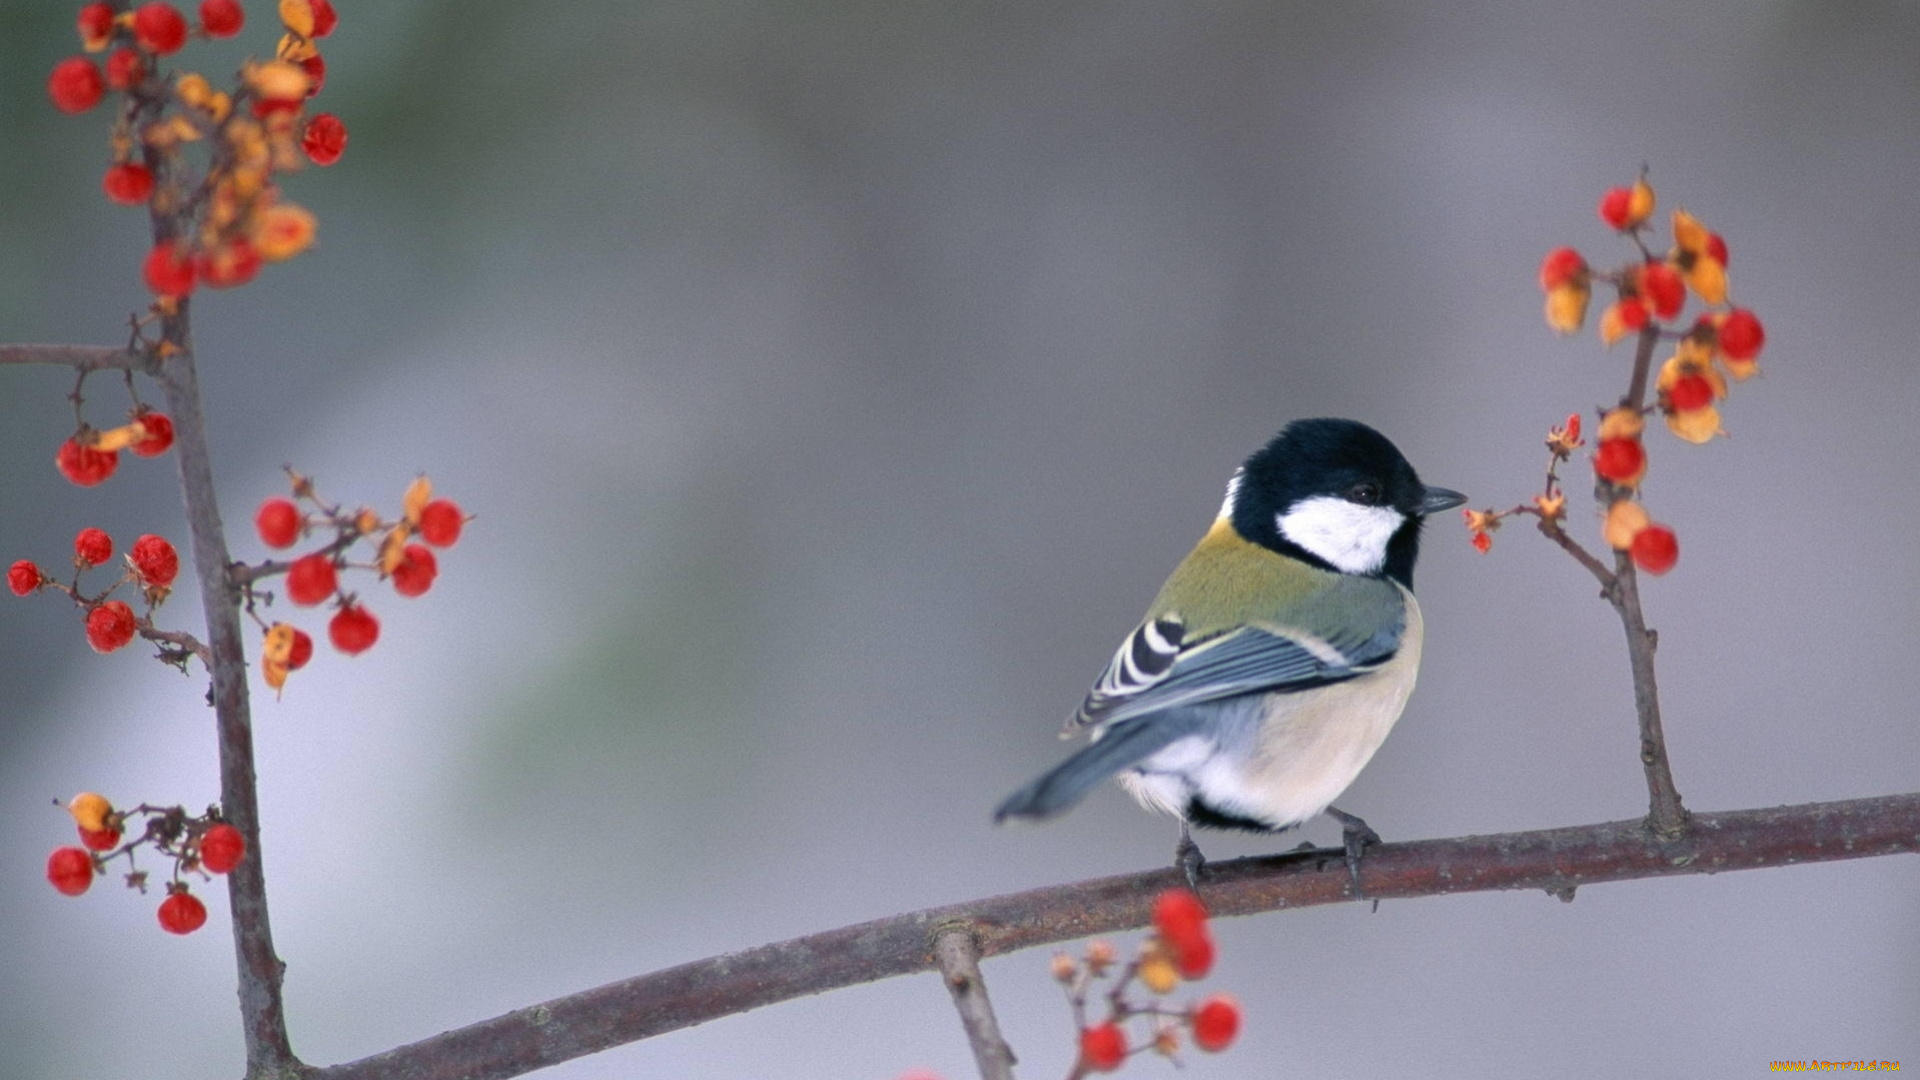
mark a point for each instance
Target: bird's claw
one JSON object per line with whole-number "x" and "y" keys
{"x": 1187, "y": 858}
{"x": 1355, "y": 836}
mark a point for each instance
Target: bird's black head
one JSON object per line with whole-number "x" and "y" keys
{"x": 1337, "y": 494}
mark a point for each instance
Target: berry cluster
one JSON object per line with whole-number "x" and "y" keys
{"x": 228, "y": 218}
{"x": 1650, "y": 294}
{"x": 203, "y": 845}
{"x": 1181, "y": 948}
{"x": 403, "y": 555}
{"x": 151, "y": 565}
{"x": 89, "y": 456}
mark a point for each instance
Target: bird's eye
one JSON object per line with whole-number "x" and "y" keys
{"x": 1366, "y": 493}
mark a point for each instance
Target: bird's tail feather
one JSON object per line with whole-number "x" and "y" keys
{"x": 1120, "y": 747}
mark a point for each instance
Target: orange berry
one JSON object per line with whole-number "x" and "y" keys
{"x": 90, "y": 810}
{"x": 1655, "y": 549}
{"x": 76, "y": 85}
{"x": 1216, "y": 1023}
{"x": 182, "y": 912}
{"x": 70, "y": 869}
{"x": 91, "y": 547}
{"x": 1103, "y": 1047}
{"x": 110, "y": 626}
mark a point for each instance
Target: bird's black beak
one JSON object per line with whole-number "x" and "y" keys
{"x": 1438, "y": 498}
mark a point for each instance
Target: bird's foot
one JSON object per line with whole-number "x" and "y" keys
{"x": 1356, "y": 836}
{"x": 1187, "y": 858}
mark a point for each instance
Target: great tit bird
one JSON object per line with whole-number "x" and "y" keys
{"x": 1276, "y": 658}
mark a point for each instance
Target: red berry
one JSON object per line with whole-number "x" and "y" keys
{"x": 1619, "y": 460}
{"x": 1717, "y": 247}
{"x": 311, "y": 579}
{"x": 1633, "y": 313}
{"x": 182, "y": 913}
{"x": 23, "y": 577}
{"x": 91, "y": 547}
{"x": 1741, "y": 335}
{"x": 1178, "y": 914}
{"x": 159, "y": 27}
{"x": 159, "y": 437}
{"x": 1194, "y": 956}
{"x": 1216, "y": 1022}
{"x": 1656, "y": 549}
{"x": 440, "y": 522}
{"x": 324, "y": 17}
{"x": 99, "y": 839}
{"x": 96, "y": 26}
{"x": 75, "y": 85}
{"x": 1690, "y": 392}
{"x": 415, "y": 573}
{"x": 222, "y": 848}
{"x": 128, "y": 183}
{"x": 316, "y": 68}
{"x": 1103, "y": 1047}
{"x": 125, "y": 68}
{"x": 1660, "y": 286}
{"x": 1561, "y": 266}
{"x": 71, "y": 870}
{"x": 353, "y": 630}
{"x": 168, "y": 270}
{"x": 1616, "y": 207}
{"x": 221, "y": 18}
{"x": 230, "y": 265}
{"x": 301, "y": 652}
{"x": 85, "y": 466}
{"x": 278, "y": 521}
{"x": 325, "y": 139}
{"x": 155, "y": 561}
{"x": 110, "y": 626}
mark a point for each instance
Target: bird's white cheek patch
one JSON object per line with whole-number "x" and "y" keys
{"x": 1351, "y": 537}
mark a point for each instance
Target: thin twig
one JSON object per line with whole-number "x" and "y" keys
{"x": 1555, "y": 860}
{"x": 82, "y": 358}
{"x": 1664, "y": 810}
{"x": 957, "y": 956}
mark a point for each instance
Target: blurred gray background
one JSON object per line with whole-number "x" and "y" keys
{"x": 835, "y": 383}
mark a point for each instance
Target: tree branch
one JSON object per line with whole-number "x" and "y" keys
{"x": 1554, "y": 860}
{"x": 262, "y": 1015}
{"x": 957, "y": 955}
